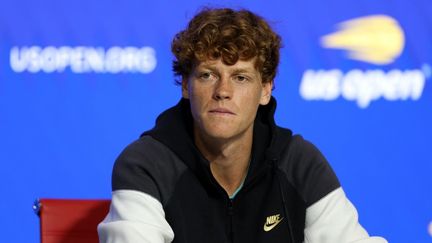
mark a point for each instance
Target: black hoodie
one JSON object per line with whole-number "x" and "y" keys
{"x": 286, "y": 175}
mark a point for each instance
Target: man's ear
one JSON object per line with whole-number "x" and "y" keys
{"x": 185, "y": 92}
{"x": 266, "y": 92}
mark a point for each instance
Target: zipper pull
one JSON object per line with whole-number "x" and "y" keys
{"x": 230, "y": 207}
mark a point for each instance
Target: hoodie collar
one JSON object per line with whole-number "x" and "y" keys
{"x": 174, "y": 129}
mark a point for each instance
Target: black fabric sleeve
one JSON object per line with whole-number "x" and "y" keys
{"x": 147, "y": 166}
{"x": 308, "y": 170}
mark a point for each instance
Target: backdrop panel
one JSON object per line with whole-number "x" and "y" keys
{"x": 79, "y": 80}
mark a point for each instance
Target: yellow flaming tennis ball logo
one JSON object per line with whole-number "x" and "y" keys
{"x": 376, "y": 39}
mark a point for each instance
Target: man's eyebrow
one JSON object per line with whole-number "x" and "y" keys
{"x": 243, "y": 70}
{"x": 205, "y": 66}
{"x": 247, "y": 70}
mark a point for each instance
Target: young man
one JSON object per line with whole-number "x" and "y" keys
{"x": 216, "y": 167}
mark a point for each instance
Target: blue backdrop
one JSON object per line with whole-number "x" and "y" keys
{"x": 79, "y": 80}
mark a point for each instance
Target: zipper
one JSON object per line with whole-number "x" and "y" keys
{"x": 231, "y": 224}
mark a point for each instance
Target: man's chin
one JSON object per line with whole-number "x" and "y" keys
{"x": 222, "y": 133}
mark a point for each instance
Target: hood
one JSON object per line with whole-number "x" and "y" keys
{"x": 174, "y": 129}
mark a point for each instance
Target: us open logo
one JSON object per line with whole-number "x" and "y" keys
{"x": 377, "y": 40}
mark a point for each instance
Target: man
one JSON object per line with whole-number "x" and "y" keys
{"x": 216, "y": 168}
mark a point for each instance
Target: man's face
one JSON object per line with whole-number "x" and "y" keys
{"x": 224, "y": 99}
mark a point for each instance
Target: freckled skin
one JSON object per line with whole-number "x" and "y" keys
{"x": 224, "y": 99}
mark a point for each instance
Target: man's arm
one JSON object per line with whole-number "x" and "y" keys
{"x": 134, "y": 217}
{"x": 334, "y": 219}
{"x": 330, "y": 216}
{"x": 143, "y": 176}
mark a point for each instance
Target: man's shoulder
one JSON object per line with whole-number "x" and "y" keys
{"x": 149, "y": 154}
{"x": 294, "y": 145}
{"x": 148, "y": 166}
{"x": 144, "y": 145}
{"x": 147, "y": 151}
{"x": 147, "y": 148}
{"x": 299, "y": 146}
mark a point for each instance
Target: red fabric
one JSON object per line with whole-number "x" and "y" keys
{"x": 71, "y": 221}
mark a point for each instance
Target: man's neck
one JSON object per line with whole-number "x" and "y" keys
{"x": 229, "y": 159}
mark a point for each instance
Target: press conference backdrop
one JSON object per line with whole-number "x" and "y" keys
{"x": 79, "y": 80}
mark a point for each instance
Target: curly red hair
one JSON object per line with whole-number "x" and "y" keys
{"x": 229, "y": 35}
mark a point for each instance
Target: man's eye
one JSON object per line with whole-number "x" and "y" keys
{"x": 205, "y": 76}
{"x": 241, "y": 78}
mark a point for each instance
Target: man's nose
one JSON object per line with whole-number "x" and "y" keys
{"x": 223, "y": 89}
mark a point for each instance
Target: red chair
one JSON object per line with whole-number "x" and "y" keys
{"x": 70, "y": 220}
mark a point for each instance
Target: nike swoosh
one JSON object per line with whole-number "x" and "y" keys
{"x": 270, "y": 227}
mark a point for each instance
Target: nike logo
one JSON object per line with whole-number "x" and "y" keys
{"x": 272, "y": 221}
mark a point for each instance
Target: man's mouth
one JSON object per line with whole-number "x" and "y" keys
{"x": 222, "y": 111}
